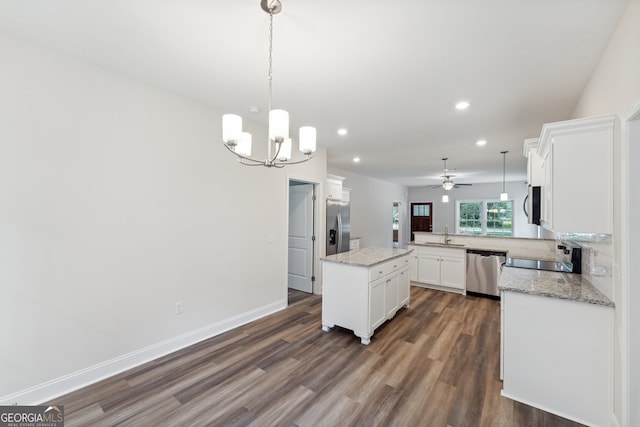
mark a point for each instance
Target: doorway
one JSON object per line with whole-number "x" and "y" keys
{"x": 301, "y": 250}
{"x": 421, "y": 217}
{"x": 396, "y": 229}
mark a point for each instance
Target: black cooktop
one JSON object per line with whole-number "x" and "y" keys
{"x": 534, "y": 264}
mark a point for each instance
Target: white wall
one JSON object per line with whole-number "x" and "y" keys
{"x": 116, "y": 201}
{"x": 445, "y": 213}
{"x": 615, "y": 88}
{"x": 372, "y": 209}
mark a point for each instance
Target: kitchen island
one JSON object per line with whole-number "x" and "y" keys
{"x": 363, "y": 288}
{"x": 556, "y": 344}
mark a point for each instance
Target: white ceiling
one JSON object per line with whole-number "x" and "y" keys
{"x": 389, "y": 71}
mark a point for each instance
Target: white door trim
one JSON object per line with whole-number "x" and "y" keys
{"x": 318, "y": 227}
{"x": 623, "y": 301}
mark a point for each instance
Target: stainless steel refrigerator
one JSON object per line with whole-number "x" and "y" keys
{"x": 338, "y": 226}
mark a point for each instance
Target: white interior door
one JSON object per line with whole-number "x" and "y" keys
{"x": 301, "y": 236}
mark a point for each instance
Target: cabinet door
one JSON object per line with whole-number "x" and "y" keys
{"x": 413, "y": 268}
{"x": 582, "y": 183}
{"x": 391, "y": 296}
{"x": 453, "y": 272}
{"x": 403, "y": 288}
{"x": 334, "y": 189}
{"x": 377, "y": 314}
{"x": 429, "y": 269}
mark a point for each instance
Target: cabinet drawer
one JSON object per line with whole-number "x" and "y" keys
{"x": 388, "y": 267}
{"x": 380, "y": 270}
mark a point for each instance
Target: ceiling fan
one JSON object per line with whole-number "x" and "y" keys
{"x": 447, "y": 183}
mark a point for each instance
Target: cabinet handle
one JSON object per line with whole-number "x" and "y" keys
{"x": 380, "y": 272}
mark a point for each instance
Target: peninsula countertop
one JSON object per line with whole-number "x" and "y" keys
{"x": 551, "y": 284}
{"x": 366, "y": 257}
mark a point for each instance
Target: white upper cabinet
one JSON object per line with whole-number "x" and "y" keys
{"x": 577, "y": 175}
{"x": 334, "y": 187}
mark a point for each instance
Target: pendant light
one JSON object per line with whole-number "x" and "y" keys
{"x": 278, "y": 142}
{"x": 504, "y": 196}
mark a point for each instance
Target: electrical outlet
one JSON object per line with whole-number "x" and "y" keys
{"x": 179, "y": 307}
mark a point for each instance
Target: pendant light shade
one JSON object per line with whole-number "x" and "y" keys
{"x": 445, "y": 198}
{"x": 504, "y": 196}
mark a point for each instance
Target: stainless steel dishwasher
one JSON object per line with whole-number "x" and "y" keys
{"x": 483, "y": 271}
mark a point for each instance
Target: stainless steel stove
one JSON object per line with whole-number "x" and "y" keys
{"x": 534, "y": 264}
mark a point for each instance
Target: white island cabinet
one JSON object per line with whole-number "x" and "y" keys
{"x": 364, "y": 288}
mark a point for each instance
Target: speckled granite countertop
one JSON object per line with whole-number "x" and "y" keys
{"x": 456, "y": 246}
{"x": 367, "y": 257}
{"x": 551, "y": 284}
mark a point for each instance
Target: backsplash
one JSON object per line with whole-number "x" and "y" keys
{"x": 597, "y": 259}
{"x": 517, "y": 247}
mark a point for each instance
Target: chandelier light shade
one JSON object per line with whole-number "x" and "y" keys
{"x": 504, "y": 196}
{"x": 279, "y": 143}
{"x": 307, "y": 140}
{"x": 231, "y": 128}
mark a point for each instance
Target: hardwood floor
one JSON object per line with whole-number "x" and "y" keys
{"x": 435, "y": 364}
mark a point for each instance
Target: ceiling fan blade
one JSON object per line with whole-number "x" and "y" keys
{"x": 460, "y": 185}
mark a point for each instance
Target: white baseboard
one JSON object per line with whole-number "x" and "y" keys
{"x": 52, "y": 389}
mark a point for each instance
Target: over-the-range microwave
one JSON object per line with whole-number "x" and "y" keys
{"x": 532, "y": 204}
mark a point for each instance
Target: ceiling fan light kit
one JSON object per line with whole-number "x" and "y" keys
{"x": 447, "y": 183}
{"x": 278, "y": 143}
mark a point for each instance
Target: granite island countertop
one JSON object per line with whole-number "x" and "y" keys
{"x": 367, "y": 257}
{"x": 551, "y": 284}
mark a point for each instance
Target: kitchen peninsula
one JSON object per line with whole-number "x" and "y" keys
{"x": 556, "y": 344}
{"x": 363, "y": 288}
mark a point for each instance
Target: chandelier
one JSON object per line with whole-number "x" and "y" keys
{"x": 278, "y": 142}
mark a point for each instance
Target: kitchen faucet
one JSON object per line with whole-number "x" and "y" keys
{"x": 446, "y": 234}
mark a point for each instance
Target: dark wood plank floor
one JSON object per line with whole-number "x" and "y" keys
{"x": 435, "y": 364}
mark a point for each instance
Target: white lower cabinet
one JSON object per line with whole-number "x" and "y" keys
{"x": 362, "y": 298}
{"x": 441, "y": 268}
{"x": 556, "y": 355}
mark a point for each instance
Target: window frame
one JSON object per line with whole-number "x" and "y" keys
{"x": 483, "y": 218}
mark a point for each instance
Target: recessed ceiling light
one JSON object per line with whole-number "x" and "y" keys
{"x": 356, "y": 159}
{"x": 342, "y": 131}
{"x": 462, "y": 105}
{"x": 481, "y": 142}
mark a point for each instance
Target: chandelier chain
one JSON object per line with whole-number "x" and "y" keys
{"x": 270, "y": 58}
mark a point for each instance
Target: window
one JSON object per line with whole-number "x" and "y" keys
{"x": 485, "y": 218}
